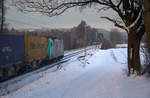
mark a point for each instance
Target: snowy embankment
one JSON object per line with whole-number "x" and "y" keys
{"x": 101, "y": 75}
{"x": 122, "y": 45}
{"x": 142, "y": 45}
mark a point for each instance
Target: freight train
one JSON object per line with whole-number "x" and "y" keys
{"x": 23, "y": 52}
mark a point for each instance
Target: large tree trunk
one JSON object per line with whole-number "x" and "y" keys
{"x": 134, "y": 63}
{"x": 146, "y": 16}
{"x": 147, "y": 27}
{"x": 136, "y": 55}
{"x": 130, "y": 48}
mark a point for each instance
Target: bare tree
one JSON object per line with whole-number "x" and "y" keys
{"x": 2, "y": 14}
{"x": 129, "y": 11}
{"x": 146, "y": 15}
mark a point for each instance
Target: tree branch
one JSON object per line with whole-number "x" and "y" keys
{"x": 116, "y": 24}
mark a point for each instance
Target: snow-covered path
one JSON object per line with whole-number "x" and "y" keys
{"x": 104, "y": 77}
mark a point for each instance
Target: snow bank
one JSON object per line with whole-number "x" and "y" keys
{"x": 122, "y": 45}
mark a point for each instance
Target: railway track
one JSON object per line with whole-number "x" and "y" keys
{"x": 6, "y": 86}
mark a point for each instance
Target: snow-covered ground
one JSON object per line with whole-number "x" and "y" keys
{"x": 122, "y": 45}
{"x": 101, "y": 75}
{"x": 126, "y": 45}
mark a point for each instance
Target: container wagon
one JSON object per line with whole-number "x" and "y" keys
{"x": 11, "y": 53}
{"x": 35, "y": 49}
{"x": 58, "y": 49}
{"x": 55, "y": 49}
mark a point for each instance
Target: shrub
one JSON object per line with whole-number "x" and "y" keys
{"x": 107, "y": 44}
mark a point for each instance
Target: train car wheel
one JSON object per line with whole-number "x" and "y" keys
{"x": 11, "y": 71}
{"x": 39, "y": 62}
{"x": 17, "y": 68}
{"x": 8, "y": 72}
{"x": 34, "y": 64}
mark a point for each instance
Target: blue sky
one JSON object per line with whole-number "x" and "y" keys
{"x": 68, "y": 19}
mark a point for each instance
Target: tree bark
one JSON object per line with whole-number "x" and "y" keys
{"x": 130, "y": 65}
{"x": 134, "y": 63}
{"x": 136, "y": 55}
{"x": 146, "y": 17}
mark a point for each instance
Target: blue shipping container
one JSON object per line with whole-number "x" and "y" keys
{"x": 11, "y": 50}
